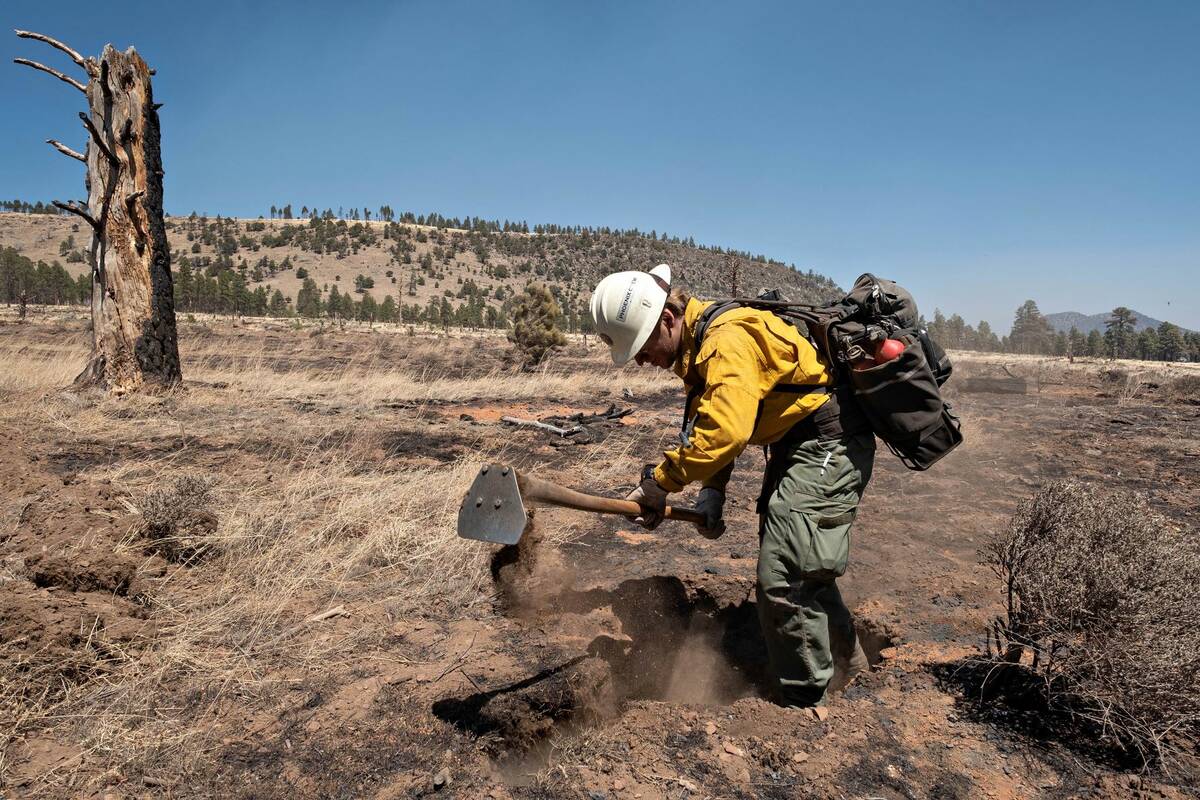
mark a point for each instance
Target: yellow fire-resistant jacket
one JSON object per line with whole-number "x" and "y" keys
{"x": 744, "y": 354}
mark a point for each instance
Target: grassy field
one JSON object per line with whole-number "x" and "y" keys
{"x": 326, "y": 500}
{"x": 251, "y": 585}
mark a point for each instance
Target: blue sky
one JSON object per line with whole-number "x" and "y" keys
{"x": 981, "y": 153}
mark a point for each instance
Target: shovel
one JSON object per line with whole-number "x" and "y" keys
{"x": 494, "y": 508}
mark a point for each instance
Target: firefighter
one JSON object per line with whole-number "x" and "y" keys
{"x": 755, "y": 379}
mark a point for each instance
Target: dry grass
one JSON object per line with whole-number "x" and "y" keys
{"x": 364, "y": 379}
{"x": 1184, "y": 389}
{"x": 1103, "y": 597}
{"x": 34, "y": 367}
{"x": 302, "y": 513}
{"x": 373, "y": 384}
{"x": 323, "y": 533}
{"x": 1129, "y": 388}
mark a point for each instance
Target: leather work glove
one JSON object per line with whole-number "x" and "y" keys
{"x": 711, "y": 503}
{"x": 651, "y": 497}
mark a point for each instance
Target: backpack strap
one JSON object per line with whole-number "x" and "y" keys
{"x": 706, "y": 317}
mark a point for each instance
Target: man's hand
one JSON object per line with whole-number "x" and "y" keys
{"x": 652, "y": 498}
{"x": 711, "y": 504}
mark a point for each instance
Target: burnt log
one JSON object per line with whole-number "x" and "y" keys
{"x": 993, "y": 386}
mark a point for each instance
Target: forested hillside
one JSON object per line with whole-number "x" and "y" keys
{"x": 433, "y": 270}
{"x": 1119, "y": 336}
{"x": 1064, "y": 321}
{"x": 404, "y": 267}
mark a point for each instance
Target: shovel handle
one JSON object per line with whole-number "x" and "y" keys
{"x": 536, "y": 489}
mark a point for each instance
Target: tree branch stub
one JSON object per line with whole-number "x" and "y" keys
{"x": 51, "y": 71}
{"x": 74, "y": 209}
{"x": 99, "y": 140}
{"x": 88, "y": 66}
{"x": 66, "y": 151}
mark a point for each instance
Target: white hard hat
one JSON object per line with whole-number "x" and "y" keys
{"x": 626, "y": 307}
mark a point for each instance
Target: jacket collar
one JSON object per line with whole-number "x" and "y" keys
{"x": 687, "y": 344}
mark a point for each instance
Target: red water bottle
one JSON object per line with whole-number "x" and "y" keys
{"x": 887, "y": 350}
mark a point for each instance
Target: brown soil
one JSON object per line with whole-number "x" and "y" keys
{"x": 74, "y": 608}
{"x": 603, "y": 662}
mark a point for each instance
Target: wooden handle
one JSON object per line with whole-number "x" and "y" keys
{"x": 537, "y": 490}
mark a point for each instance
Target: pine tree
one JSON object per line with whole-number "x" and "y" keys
{"x": 956, "y": 330}
{"x": 1146, "y": 345}
{"x": 1171, "y": 343}
{"x": 1076, "y": 342}
{"x": 535, "y": 325}
{"x": 1031, "y": 333}
{"x": 1119, "y": 332}
{"x": 1095, "y": 344}
{"x": 308, "y": 299}
{"x": 184, "y": 294}
{"x": 986, "y": 338}
{"x": 333, "y": 306}
{"x": 368, "y": 310}
{"x": 258, "y": 302}
{"x": 387, "y": 309}
{"x": 278, "y": 306}
{"x": 937, "y": 328}
{"x": 1061, "y": 343}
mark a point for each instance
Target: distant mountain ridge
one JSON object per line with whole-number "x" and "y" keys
{"x": 1065, "y": 320}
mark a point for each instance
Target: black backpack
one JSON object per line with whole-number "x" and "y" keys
{"x": 901, "y": 398}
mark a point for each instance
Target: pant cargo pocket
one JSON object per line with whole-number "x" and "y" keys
{"x": 828, "y": 551}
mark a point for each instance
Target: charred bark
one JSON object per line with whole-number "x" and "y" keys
{"x": 134, "y": 339}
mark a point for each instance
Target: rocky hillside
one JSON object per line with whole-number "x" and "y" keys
{"x": 225, "y": 264}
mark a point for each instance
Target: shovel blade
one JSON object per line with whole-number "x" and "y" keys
{"x": 492, "y": 511}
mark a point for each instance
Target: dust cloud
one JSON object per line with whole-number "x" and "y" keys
{"x": 700, "y": 674}
{"x": 531, "y": 576}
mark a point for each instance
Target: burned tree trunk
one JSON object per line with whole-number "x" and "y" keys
{"x": 134, "y": 341}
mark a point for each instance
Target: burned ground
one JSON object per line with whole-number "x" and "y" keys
{"x": 339, "y": 641}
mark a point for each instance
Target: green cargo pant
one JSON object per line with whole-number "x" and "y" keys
{"x": 810, "y": 496}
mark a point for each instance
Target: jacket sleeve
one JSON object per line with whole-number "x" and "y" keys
{"x": 720, "y": 479}
{"x": 725, "y": 414}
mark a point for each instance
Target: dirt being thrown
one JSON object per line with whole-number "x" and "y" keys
{"x": 532, "y": 574}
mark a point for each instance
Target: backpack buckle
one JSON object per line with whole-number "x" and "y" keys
{"x": 685, "y": 434}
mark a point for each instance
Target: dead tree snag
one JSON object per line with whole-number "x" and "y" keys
{"x": 134, "y": 341}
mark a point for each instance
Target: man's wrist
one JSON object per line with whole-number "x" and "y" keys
{"x": 664, "y": 480}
